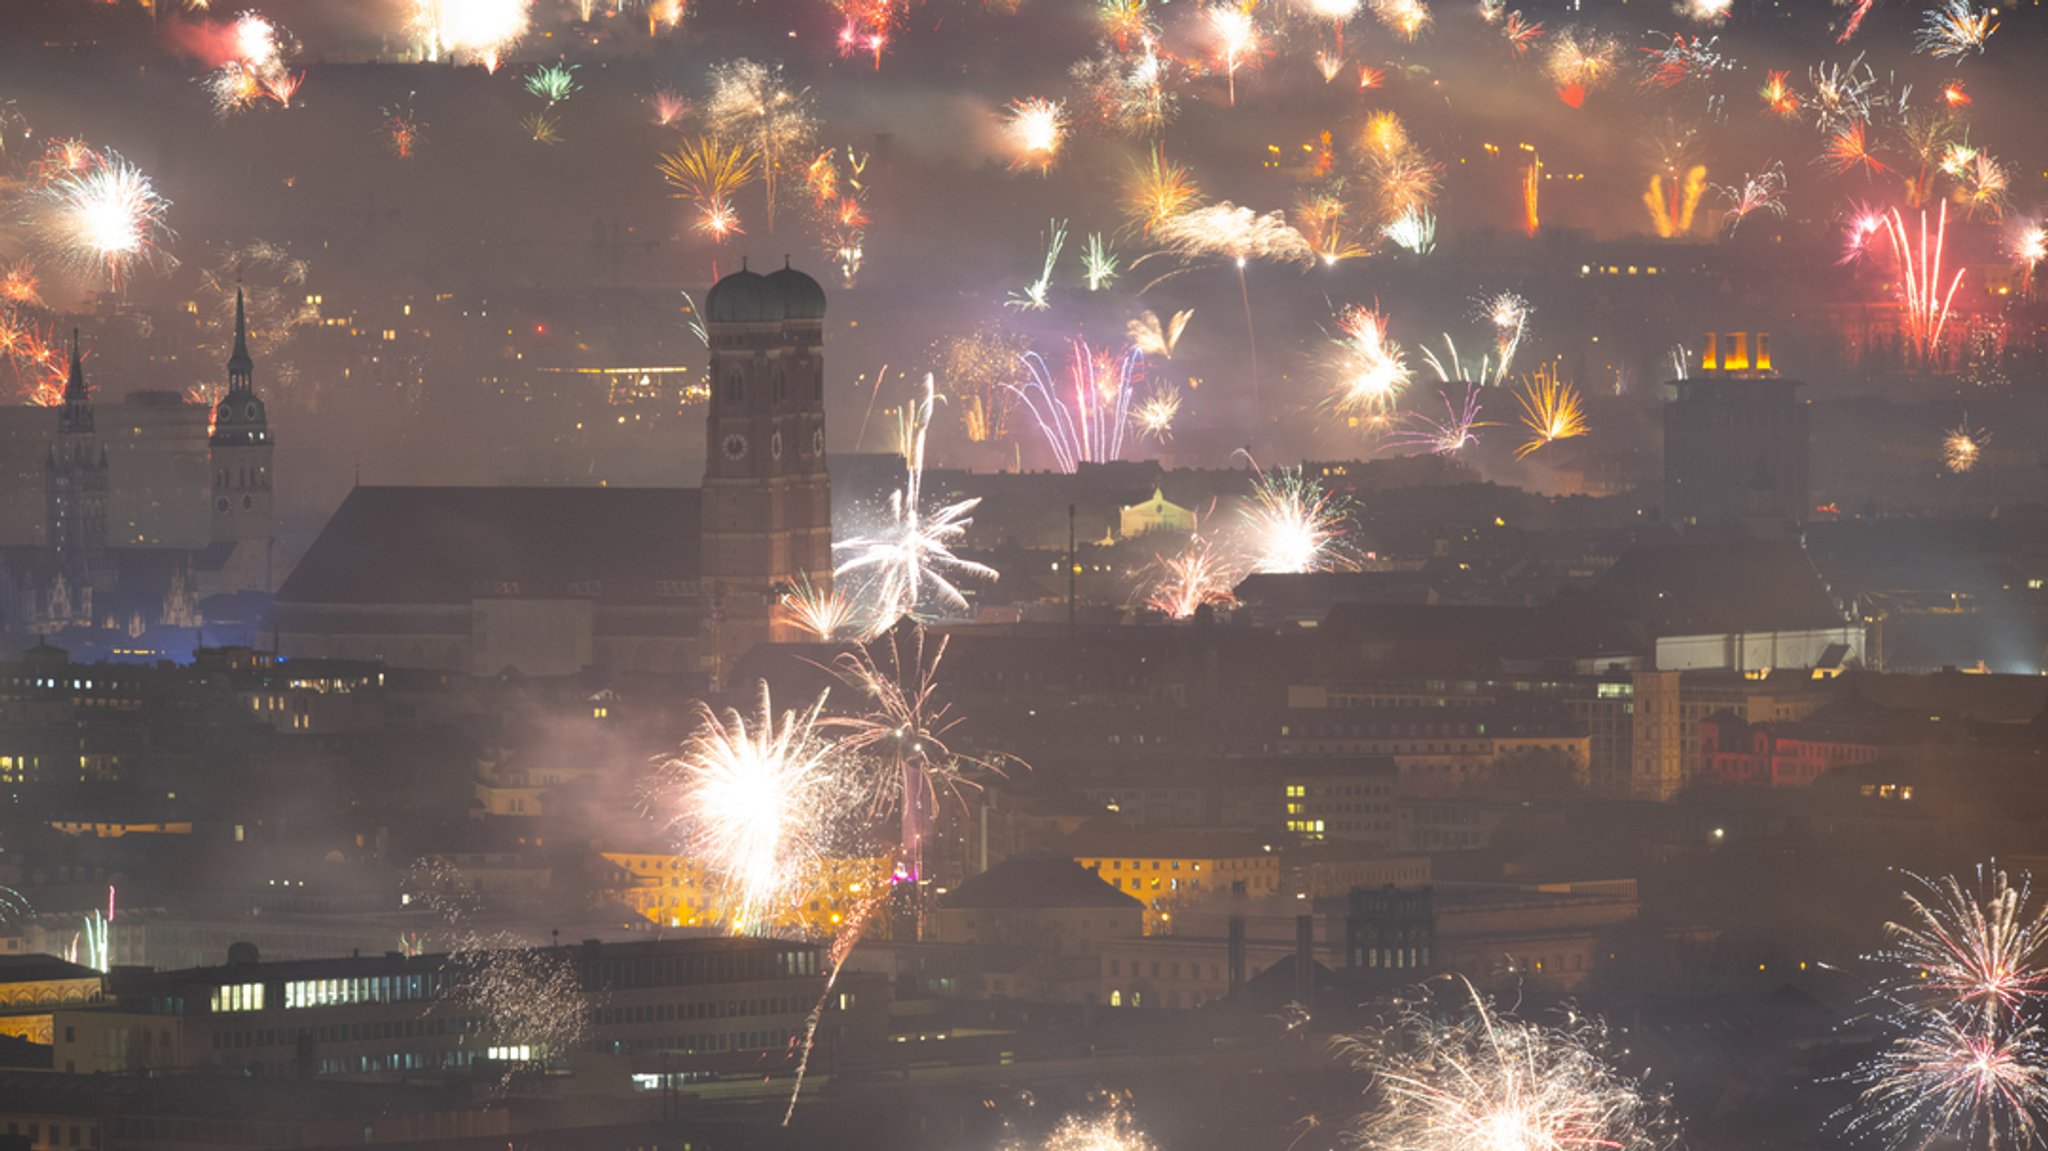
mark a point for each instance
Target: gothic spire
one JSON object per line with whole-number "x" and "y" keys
{"x": 74, "y": 384}
{"x": 241, "y": 369}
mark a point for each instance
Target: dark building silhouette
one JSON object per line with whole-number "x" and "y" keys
{"x": 75, "y": 490}
{"x": 552, "y": 580}
{"x": 1735, "y": 441}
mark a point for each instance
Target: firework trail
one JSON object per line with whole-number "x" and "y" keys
{"x": 1858, "y": 9}
{"x": 1509, "y": 314}
{"x": 1446, "y": 436}
{"x": 1084, "y": 421}
{"x": 1035, "y": 296}
{"x": 1239, "y": 235}
{"x": 1920, "y": 271}
{"x": 1453, "y": 368}
{"x": 1237, "y": 37}
{"x": 1100, "y": 263}
{"x": 1488, "y": 1082}
{"x": 911, "y": 556}
{"x": 1849, "y": 148}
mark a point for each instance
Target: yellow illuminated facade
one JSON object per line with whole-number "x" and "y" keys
{"x": 673, "y": 891}
{"x": 1167, "y": 881}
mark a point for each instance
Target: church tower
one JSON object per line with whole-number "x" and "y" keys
{"x": 241, "y": 449}
{"x": 75, "y": 487}
{"x": 767, "y": 503}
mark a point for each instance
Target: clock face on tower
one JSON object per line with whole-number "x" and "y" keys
{"x": 775, "y": 445}
{"x": 735, "y": 447}
{"x": 818, "y": 442}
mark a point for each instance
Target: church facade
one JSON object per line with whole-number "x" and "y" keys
{"x": 83, "y": 582}
{"x": 550, "y": 581}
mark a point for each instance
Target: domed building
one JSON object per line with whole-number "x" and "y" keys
{"x": 550, "y": 581}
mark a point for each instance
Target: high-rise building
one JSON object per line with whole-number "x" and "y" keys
{"x": 157, "y": 453}
{"x": 1735, "y": 440}
{"x": 767, "y": 519}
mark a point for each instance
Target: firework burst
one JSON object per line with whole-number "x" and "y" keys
{"x": 471, "y": 31}
{"x": 1489, "y": 1082}
{"x": 709, "y": 173}
{"x": 1158, "y": 191}
{"x": 1581, "y": 61}
{"x": 1406, "y": 17}
{"x": 755, "y": 800}
{"x": 1236, "y": 37}
{"x": 101, "y": 218}
{"x": 1155, "y": 335}
{"x": 909, "y": 560}
{"x": 1369, "y": 370}
{"x": 1778, "y": 97}
{"x": 1977, "y": 947}
{"x": 1036, "y": 128}
{"x": 1955, "y": 29}
{"x": 553, "y": 83}
{"x": 1200, "y": 576}
{"x": 1551, "y": 410}
{"x": 1763, "y": 192}
{"x": 1292, "y": 524}
{"x": 1155, "y": 414}
{"x": 750, "y": 104}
